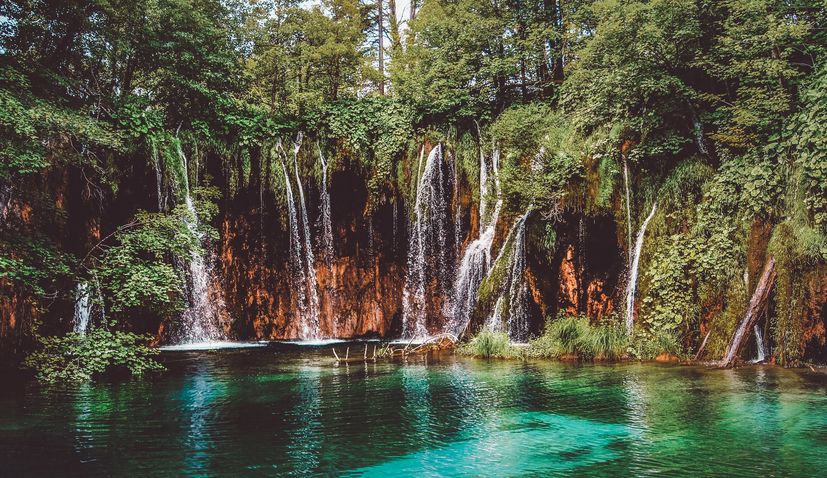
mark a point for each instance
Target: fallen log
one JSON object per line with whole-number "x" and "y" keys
{"x": 756, "y": 306}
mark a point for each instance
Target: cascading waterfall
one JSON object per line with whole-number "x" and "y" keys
{"x": 83, "y": 308}
{"x": 327, "y": 225}
{"x": 514, "y": 290}
{"x": 301, "y": 259}
{"x": 311, "y": 283}
{"x": 6, "y": 190}
{"x": 159, "y": 175}
{"x": 429, "y": 249}
{"x": 633, "y": 273}
{"x": 759, "y": 341}
{"x": 477, "y": 259}
{"x": 200, "y": 319}
{"x": 295, "y": 261}
{"x": 628, "y": 207}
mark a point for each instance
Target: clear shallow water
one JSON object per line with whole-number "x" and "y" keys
{"x": 287, "y": 411}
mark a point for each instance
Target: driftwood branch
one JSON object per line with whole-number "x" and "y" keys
{"x": 703, "y": 346}
{"x": 756, "y": 305}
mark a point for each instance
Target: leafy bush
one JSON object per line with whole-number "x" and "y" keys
{"x": 138, "y": 271}
{"x": 76, "y": 358}
{"x": 650, "y": 346}
{"x": 488, "y": 344}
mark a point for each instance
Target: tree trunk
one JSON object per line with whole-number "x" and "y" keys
{"x": 756, "y": 306}
{"x": 381, "y": 51}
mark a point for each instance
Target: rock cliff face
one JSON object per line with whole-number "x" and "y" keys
{"x": 574, "y": 262}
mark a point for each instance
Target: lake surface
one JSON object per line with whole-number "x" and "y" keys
{"x": 286, "y": 410}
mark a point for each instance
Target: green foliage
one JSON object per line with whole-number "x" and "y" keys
{"x": 608, "y": 341}
{"x": 809, "y": 148}
{"x": 78, "y": 358}
{"x": 670, "y": 302}
{"x": 543, "y": 157}
{"x": 34, "y": 264}
{"x": 575, "y": 336}
{"x": 653, "y": 345}
{"x": 566, "y": 336}
{"x": 626, "y": 71}
{"x": 488, "y": 344}
{"x": 137, "y": 272}
{"x": 32, "y": 123}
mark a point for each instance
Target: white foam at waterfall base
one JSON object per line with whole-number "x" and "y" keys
{"x": 633, "y": 273}
{"x": 211, "y": 345}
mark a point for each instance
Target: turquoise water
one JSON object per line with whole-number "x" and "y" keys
{"x": 288, "y": 411}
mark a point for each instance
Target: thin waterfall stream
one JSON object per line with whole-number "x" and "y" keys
{"x": 631, "y": 287}
{"x": 311, "y": 283}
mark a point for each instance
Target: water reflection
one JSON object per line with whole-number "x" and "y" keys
{"x": 283, "y": 411}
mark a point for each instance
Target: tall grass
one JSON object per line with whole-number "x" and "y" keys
{"x": 608, "y": 341}
{"x": 575, "y": 336}
{"x": 488, "y": 344}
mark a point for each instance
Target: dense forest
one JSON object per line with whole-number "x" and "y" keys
{"x": 187, "y": 170}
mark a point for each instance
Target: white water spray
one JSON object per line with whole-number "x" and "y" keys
{"x": 633, "y": 273}
{"x": 311, "y": 284}
{"x": 428, "y": 251}
{"x": 759, "y": 341}
{"x": 83, "y": 308}
{"x": 200, "y": 319}
{"x": 477, "y": 259}
{"x": 514, "y": 290}
{"x": 327, "y": 225}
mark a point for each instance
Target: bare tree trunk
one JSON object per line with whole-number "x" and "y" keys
{"x": 413, "y": 9}
{"x": 756, "y": 306}
{"x": 381, "y": 51}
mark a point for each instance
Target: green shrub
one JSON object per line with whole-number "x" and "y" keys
{"x": 650, "y": 346}
{"x": 488, "y": 344}
{"x": 608, "y": 341}
{"x": 76, "y": 358}
{"x": 568, "y": 335}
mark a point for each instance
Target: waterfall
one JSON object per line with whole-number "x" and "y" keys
{"x": 429, "y": 247}
{"x": 514, "y": 290}
{"x": 83, "y": 308}
{"x": 200, "y": 319}
{"x": 5, "y": 200}
{"x": 759, "y": 341}
{"x": 633, "y": 272}
{"x": 301, "y": 261}
{"x": 699, "y": 135}
{"x": 311, "y": 284}
{"x": 628, "y": 207}
{"x": 295, "y": 249}
{"x": 159, "y": 176}
{"x": 477, "y": 259}
{"x": 327, "y": 225}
